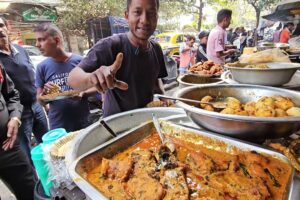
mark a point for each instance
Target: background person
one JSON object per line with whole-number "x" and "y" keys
{"x": 20, "y": 69}
{"x": 15, "y": 167}
{"x": 187, "y": 54}
{"x": 216, "y": 40}
{"x": 128, "y": 79}
{"x": 286, "y": 33}
{"x": 201, "y": 52}
{"x": 70, "y": 114}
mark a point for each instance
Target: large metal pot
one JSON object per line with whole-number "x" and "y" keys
{"x": 244, "y": 127}
{"x": 196, "y": 80}
{"x": 276, "y": 75}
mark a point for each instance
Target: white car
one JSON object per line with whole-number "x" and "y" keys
{"x": 35, "y": 55}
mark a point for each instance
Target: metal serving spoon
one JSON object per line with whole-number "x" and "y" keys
{"x": 162, "y": 137}
{"x": 216, "y": 104}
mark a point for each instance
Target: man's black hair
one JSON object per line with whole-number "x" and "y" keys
{"x": 223, "y": 14}
{"x": 190, "y": 37}
{"x": 129, "y": 3}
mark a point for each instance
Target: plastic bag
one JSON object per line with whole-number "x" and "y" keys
{"x": 269, "y": 55}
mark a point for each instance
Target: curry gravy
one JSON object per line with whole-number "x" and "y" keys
{"x": 193, "y": 172}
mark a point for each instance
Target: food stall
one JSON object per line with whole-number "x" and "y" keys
{"x": 288, "y": 11}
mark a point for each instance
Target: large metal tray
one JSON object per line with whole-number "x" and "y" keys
{"x": 78, "y": 169}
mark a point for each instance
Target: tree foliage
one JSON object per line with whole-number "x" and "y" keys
{"x": 74, "y": 14}
{"x": 260, "y": 5}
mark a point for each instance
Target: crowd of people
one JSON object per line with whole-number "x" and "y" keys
{"x": 223, "y": 42}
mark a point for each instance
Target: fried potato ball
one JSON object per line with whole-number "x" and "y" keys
{"x": 265, "y": 102}
{"x": 283, "y": 103}
{"x": 241, "y": 112}
{"x": 280, "y": 112}
{"x": 250, "y": 107}
{"x": 293, "y": 111}
{"x": 206, "y": 99}
{"x": 265, "y": 112}
{"x": 228, "y": 111}
{"x": 233, "y": 103}
{"x": 208, "y": 107}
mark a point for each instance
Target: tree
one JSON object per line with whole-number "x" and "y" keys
{"x": 260, "y": 5}
{"x": 74, "y": 14}
{"x": 195, "y": 7}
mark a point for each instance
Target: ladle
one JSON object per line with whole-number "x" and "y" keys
{"x": 216, "y": 104}
{"x": 162, "y": 137}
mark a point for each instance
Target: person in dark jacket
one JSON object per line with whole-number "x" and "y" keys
{"x": 201, "y": 52}
{"x": 20, "y": 69}
{"x": 15, "y": 168}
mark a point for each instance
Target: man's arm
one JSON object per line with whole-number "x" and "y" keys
{"x": 12, "y": 98}
{"x": 102, "y": 79}
{"x": 14, "y": 107}
{"x": 225, "y": 53}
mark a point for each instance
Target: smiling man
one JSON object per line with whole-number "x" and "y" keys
{"x": 126, "y": 67}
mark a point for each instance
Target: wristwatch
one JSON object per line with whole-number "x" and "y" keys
{"x": 18, "y": 120}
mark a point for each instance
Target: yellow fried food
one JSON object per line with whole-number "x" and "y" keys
{"x": 293, "y": 111}
{"x": 265, "y": 112}
{"x": 241, "y": 112}
{"x": 250, "y": 107}
{"x": 280, "y": 113}
{"x": 228, "y": 111}
{"x": 233, "y": 103}
{"x": 206, "y": 99}
{"x": 283, "y": 103}
{"x": 208, "y": 107}
{"x": 264, "y": 102}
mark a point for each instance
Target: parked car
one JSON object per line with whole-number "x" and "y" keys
{"x": 35, "y": 54}
{"x": 170, "y": 41}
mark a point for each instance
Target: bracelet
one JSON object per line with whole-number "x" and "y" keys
{"x": 18, "y": 120}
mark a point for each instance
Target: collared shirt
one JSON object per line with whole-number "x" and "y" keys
{"x": 20, "y": 69}
{"x": 216, "y": 43}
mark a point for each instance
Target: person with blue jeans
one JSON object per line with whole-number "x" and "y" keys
{"x": 71, "y": 113}
{"x": 20, "y": 69}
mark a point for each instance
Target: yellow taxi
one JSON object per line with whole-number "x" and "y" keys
{"x": 170, "y": 41}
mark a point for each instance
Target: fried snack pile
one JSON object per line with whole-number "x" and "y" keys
{"x": 276, "y": 106}
{"x": 54, "y": 90}
{"x": 206, "y": 68}
{"x": 290, "y": 152}
{"x": 148, "y": 171}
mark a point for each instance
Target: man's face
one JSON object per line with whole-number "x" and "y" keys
{"x": 204, "y": 40}
{"x": 3, "y": 33}
{"x": 142, "y": 18}
{"x": 190, "y": 43}
{"x": 47, "y": 44}
{"x": 227, "y": 21}
{"x": 291, "y": 28}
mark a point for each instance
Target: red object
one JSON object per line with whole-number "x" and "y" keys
{"x": 1, "y": 75}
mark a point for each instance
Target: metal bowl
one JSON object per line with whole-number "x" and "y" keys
{"x": 243, "y": 127}
{"x": 276, "y": 75}
{"x": 195, "y": 80}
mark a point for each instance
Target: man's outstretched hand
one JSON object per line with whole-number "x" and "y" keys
{"x": 104, "y": 77}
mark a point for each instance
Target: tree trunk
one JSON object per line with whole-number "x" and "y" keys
{"x": 257, "y": 11}
{"x": 68, "y": 41}
{"x": 200, "y": 15}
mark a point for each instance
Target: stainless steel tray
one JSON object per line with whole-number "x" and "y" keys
{"x": 78, "y": 170}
